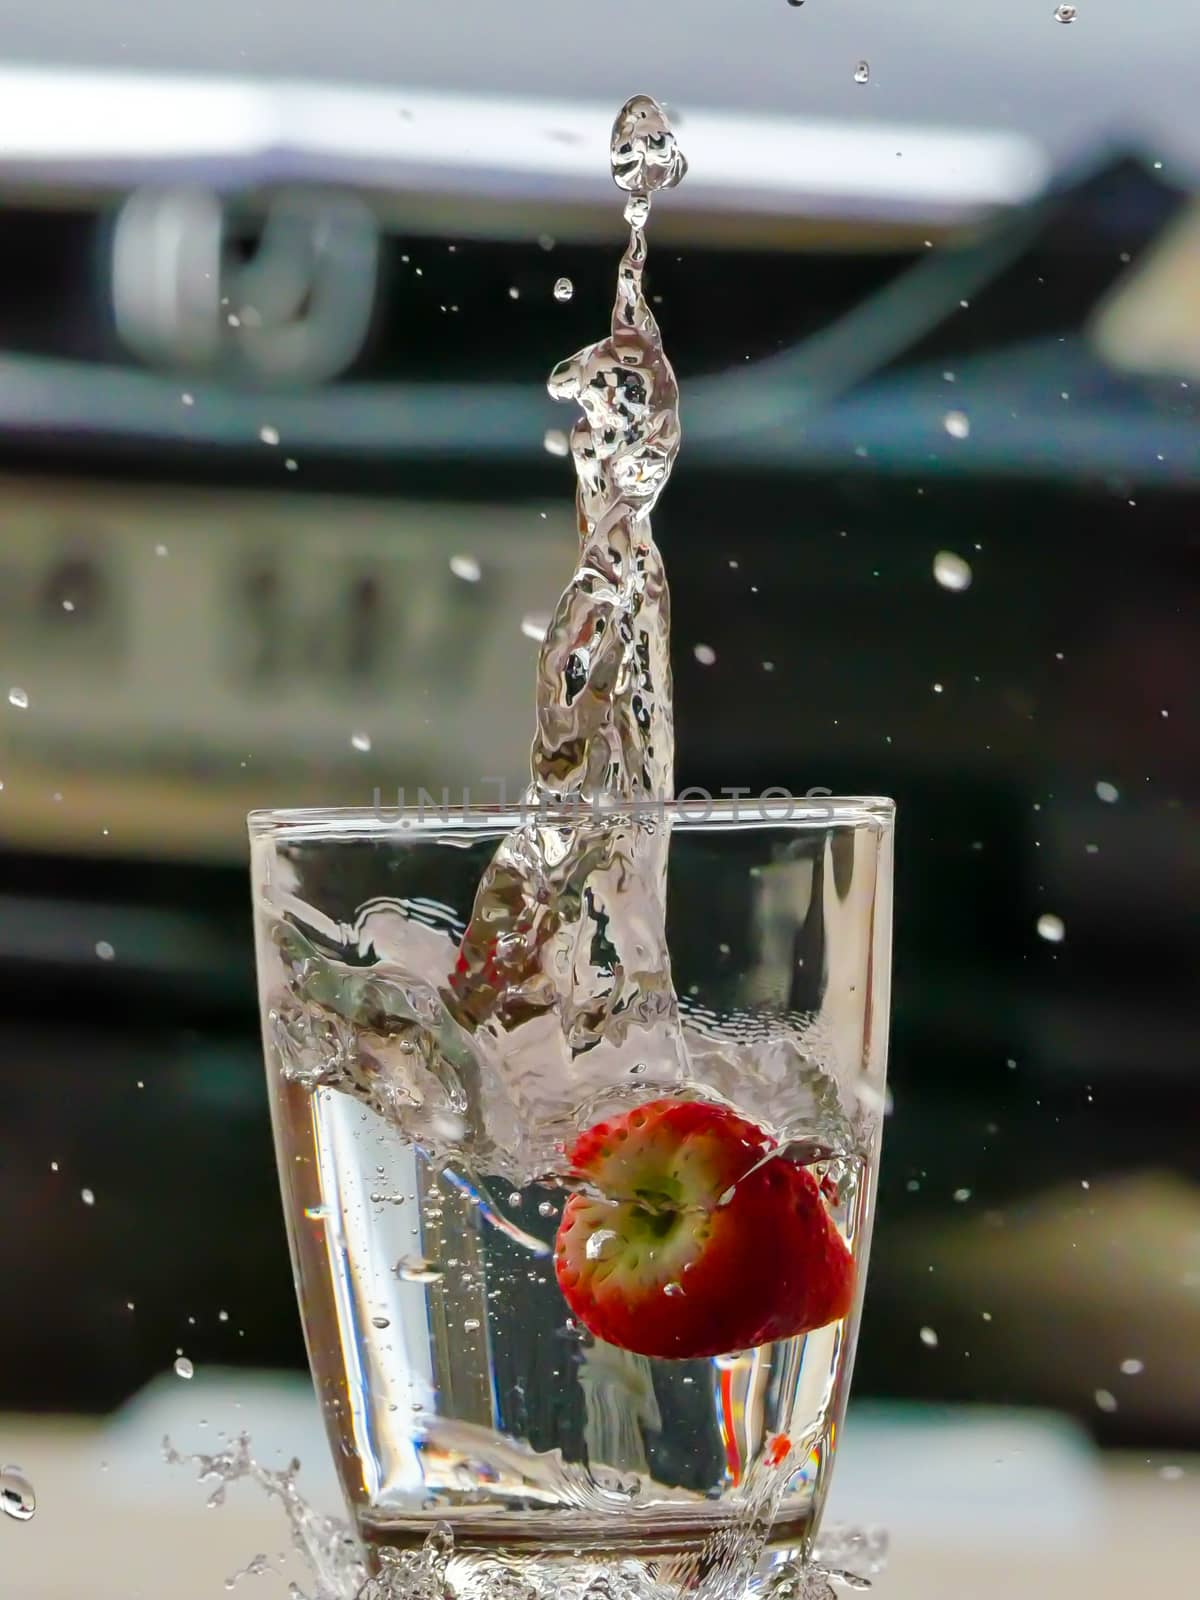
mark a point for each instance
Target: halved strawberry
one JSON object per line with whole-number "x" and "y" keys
{"x": 694, "y": 1249}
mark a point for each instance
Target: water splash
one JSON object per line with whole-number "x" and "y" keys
{"x": 326, "y": 1544}
{"x": 851, "y": 1557}
{"x": 553, "y": 896}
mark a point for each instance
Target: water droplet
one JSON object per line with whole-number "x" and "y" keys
{"x": 381, "y": 1322}
{"x": 1108, "y": 792}
{"x": 637, "y": 210}
{"x": 673, "y": 1289}
{"x": 961, "y": 1196}
{"x": 704, "y": 654}
{"x": 222, "y": 1316}
{"x": 564, "y": 289}
{"x": 105, "y": 950}
{"x": 643, "y": 150}
{"x": 957, "y": 424}
{"x": 188, "y": 399}
{"x": 862, "y": 72}
{"x": 1105, "y": 1400}
{"x": 1065, "y": 13}
{"x": 545, "y": 242}
{"x": 514, "y": 293}
{"x": 160, "y": 549}
{"x": 184, "y": 1368}
{"x": 291, "y": 463}
{"x": 18, "y": 698}
{"x": 466, "y": 568}
{"x": 547, "y": 1209}
{"x": 269, "y": 435}
{"x": 535, "y": 625}
{"x": 937, "y": 688}
{"x": 415, "y": 1269}
{"x": 514, "y": 1197}
{"x": 555, "y": 442}
{"x": 361, "y": 741}
{"x": 471, "y": 1324}
{"x": 1051, "y": 928}
{"x": 68, "y": 605}
{"x": 594, "y": 1249}
{"x": 929, "y": 1338}
{"x": 88, "y": 1198}
{"x": 951, "y": 571}
{"x": 1131, "y": 1366}
{"x": 17, "y": 1499}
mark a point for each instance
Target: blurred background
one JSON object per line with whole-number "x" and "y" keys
{"x": 278, "y": 522}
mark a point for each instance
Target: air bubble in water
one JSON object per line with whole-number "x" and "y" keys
{"x": 673, "y": 1289}
{"x": 594, "y": 1249}
{"x": 961, "y": 1196}
{"x": 381, "y": 1322}
{"x": 415, "y": 1269}
{"x": 105, "y": 950}
{"x": 1051, "y": 928}
{"x": 184, "y": 1368}
{"x": 1065, "y": 13}
{"x": 17, "y": 1499}
{"x": 564, "y": 289}
{"x": 952, "y": 571}
{"x": 929, "y": 1338}
{"x": 547, "y": 1209}
{"x": 88, "y": 1198}
{"x": 554, "y": 442}
{"x": 514, "y": 1197}
{"x": 466, "y": 568}
{"x": 957, "y": 424}
{"x": 1131, "y": 1366}
{"x": 19, "y": 698}
{"x": 862, "y": 72}
{"x": 269, "y": 435}
{"x": 1105, "y": 1400}
{"x": 704, "y": 654}
{"x": 1108, "y": 792}
{"x": 361, "y": 741}
{"x": 471, "y": 1324}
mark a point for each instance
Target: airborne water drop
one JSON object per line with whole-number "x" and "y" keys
{"x": 952, "y": 571}
{"x": 17, "y": 1499}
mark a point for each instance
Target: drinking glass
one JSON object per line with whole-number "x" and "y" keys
{"x": 456, "y": 1385}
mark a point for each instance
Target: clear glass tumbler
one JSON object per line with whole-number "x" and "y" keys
{"x": 428, "y": 1173}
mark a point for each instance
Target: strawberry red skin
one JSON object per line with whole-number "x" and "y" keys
{"x": 761, "y": 1263}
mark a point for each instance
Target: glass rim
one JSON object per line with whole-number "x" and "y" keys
{"x": 770, "y": 809}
